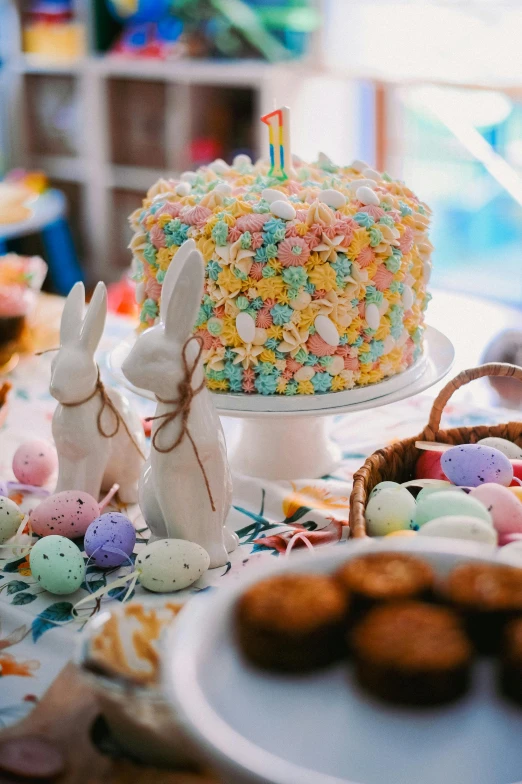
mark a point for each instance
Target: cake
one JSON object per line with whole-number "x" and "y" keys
{"x": 383, "y": 577}
{"x": 292, "y": 623}
{"x": 313, "y": 284}
{"x": 412, "y": 653}
{"x": 20, "y": 279}
{"x": 488, "y": 597}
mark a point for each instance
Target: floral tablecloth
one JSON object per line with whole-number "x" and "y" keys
{"x": 36, "y": 639}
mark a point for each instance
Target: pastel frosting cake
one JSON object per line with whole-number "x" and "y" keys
{"x": 313, "y": 284}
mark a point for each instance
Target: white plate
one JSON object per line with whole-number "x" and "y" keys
{"x": 321, "y": 729}
{"x": 437, "y": 360}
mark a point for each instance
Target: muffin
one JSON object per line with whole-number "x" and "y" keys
{"x": 487, "y": 596}
{"x": 292, "y": 623}
{"x": 20, "y": 279}
{"x": 510, "y": 673}
{"x": 412, "y": 653}
{"x": 384, "y": 577}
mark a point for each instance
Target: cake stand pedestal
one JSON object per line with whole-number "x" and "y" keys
{"x": 289, "y": 437}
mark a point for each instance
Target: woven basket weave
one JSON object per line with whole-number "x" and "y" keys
{"x": 397, "y": 462}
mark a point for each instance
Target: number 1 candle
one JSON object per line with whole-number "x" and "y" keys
{"x": 278, "y": 123}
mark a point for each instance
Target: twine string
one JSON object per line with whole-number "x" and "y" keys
{"x": 181, "y": 408}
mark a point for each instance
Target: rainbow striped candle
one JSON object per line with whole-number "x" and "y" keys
{"x": 278, "y": 123}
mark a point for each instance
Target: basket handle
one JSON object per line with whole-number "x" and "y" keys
{"x": 490, "y": 369}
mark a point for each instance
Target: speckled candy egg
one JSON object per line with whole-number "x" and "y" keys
{"x": 68, "y": 513}
{"x": 107, "y": 534}
{"x": 449, "y": 502}
{"x": 57, "y": 564}
{"x": 35, "y": 462}
{"x": 428, "y": 466}
{"x": 504, "y": 507}
{"x": 508, "y": 448}
{"x": 382, "y": 486}
{"x": 10, "y": 518}
{"x": 438, "y": 485}
{"x": 461, "y": 527}
{"x": 171, "y": 565}
{"x": 392, "y": 509}
{"x": 475, "y": 464}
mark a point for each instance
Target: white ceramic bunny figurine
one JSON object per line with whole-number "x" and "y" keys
{"x": 179, "y": 486}
{"x": 87, "y": 459}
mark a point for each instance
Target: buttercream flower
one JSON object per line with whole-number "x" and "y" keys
{"x": 295, "y": 277}
{"x": 247, "y": 355}
{"x": 338, "y": 307}
{"x": 238, "y": 257}
{"x": 319, "y": 212}
{"x": 382, "y": 278}
{"x": 228, "y": 281}
{"x": 173, "y": 209}
{"x": 305, "y": 388}
{"x": 214, "y": 357}
{"x": 197, "y": 215}
{"x": 252, "y": 222}
{"x": 281, "y": 313}
{"x": 365, "y": 257}
{"x": 270, "y": 287}
{"x": 316, "y": 345}
{"x": 234, "y": 234}
{"x": 275, "y": 332}
{"x": 293, "y": 252}
{"x": 328, "y": 248}
{"x": 323, "y": 277}
{"x": 164, "y": 257}
{"x": 157, "y": 237}
{"x": 257, "y": 240}
{"x": 212, "y": 200}
{"x": 293, "y": 339}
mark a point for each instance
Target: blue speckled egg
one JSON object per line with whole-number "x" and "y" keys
{"x": 110, "y": 530}
{"x": 473, "y": 465}
{"x": 57, "y": 564}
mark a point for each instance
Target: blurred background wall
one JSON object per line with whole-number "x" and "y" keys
{"x": 105, "y": 96}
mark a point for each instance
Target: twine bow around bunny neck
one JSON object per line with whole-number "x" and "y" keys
{"x": 181, "y": 408}
{"x": 106, "y": 402}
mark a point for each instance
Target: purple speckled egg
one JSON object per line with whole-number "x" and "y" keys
{"x": 35, "y": 462}
{"x": 68, "y": 513}
{"x": 110, "y": 530}
{"x": 472, "y": 465}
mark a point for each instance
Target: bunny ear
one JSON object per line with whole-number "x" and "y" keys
{"x": 185, "y": 300}
{"x": 94, "y": 321}
{"x": 172, "y": 275}
{"x": 72, "y": 314}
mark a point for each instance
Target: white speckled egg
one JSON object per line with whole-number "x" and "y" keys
{"x": 332, "y": 198}
{"x": 270, "y": 195}
{"x": 360, "y": 183}
{"x": 57, "y": 564}
{"x": 171, "y": 564}
{"x": 371, "y": 174}
{"x": 10, "y": 518}
{"x": 367, "y": 196}
{"x": 461, "y": 527}
{"x": 219, "y": 166}
{"x": 389, "y": 344}
{"x": 282, "y": 209}
{"x": 304, "y": 373}
{"x": 336, "y": 366}
{"x": 242, "y": 160}
{"x": 327, "y": 330}
{"x": 372, "y": 316}
{"x": 392, "y": 509}
{"x": 508, "y": 448}
{"x": 382, "y": 486}
{"x": 224, "y": 189}
{"x": 183, "y": 189}
{"x": 408, "y": 297}
{"x": 300, "y": 302}
{"x": 358, "y": 165}
{"x": 261, "y": 336}
{"x": 246, "y": 327}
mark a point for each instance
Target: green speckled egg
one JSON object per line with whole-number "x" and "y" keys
{"x": 382, "y": 486}
{"x": 57, "y": 564}
{"x": 437, "y": 487}
{"x": 392, "y": 509}
{"x": 10, "y": 518}
{"x": 448, "y": 503}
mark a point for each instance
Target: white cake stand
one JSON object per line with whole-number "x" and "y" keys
{"x": 289, "y": 438}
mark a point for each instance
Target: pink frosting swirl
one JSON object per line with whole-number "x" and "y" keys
{"x": 264, "y": 318}
{"x": 374, "y": 211}
{"x": 316, "y": 345}
{"x": 361, "y": 307}
{"x": 233, "y": 234}
{"x": 301, "y": 215}
{"x": 406, "y": 241}
{"x": 153, "y": 289}
{"x": 256, "y": 270}
{"x": 257, "y": 240}
{"x": 293, "y": 365}
{"x": 252, "y": 222}
{"x": 206, "y": 337}
{"x": 382, "y": 278}
{"x": 365, "y": 257}
{"x": 197, "y": 215}
{"x": 287, "y": 252}
{"x": 351, "y": 363}
{"x": 14, "y": 301}
{"x": 157, "y": 237}
{"x": 170, "y": 208}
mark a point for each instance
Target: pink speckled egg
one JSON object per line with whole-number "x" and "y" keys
{"x": 35, "y": 462}
{"x": 68, "y": 513}
{"x": 504, "y": 507}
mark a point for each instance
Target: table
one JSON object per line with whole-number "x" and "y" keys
{"x": 33, "y": 649}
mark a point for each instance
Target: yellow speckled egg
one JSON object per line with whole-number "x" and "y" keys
{"x": 57, "y": 564}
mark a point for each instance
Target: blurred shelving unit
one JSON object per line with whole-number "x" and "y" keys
{"x": 105, "y": 127}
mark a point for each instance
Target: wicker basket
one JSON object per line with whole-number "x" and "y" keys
{"x": 397, "y": 462}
